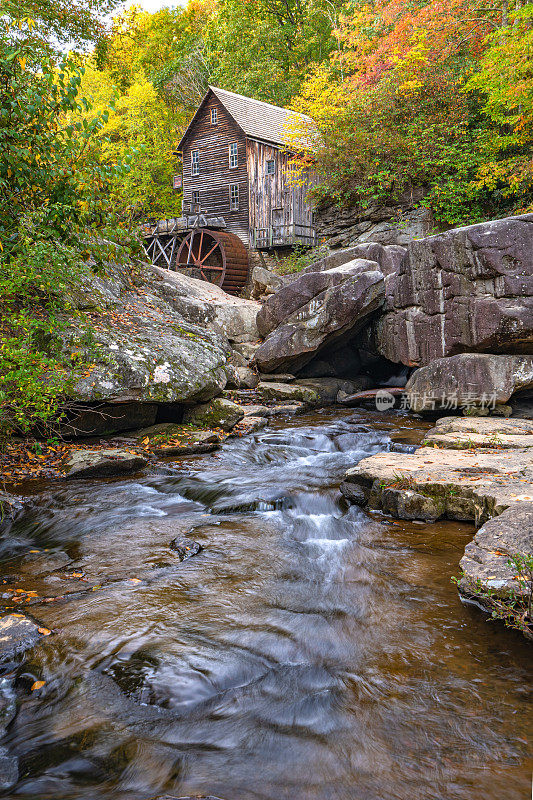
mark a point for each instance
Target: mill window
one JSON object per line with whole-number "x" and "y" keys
{"x": 233, "y": 155}
{"x": 196, "y": 198}
{"x": 234, "y": 197}
{"x": 214, "y": 116}
{"x": 271, "y": 167}
{"x": 195, "y": 162}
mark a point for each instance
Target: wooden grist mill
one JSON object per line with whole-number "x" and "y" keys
{"x": 238, "y": 192}
{"x": 206, "y": 253}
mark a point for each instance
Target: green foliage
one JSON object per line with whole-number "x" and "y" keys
{"x": 265, "y": 48}
{"x": 141, "y": 130}
{"x": 35, "y": 374}
{"x": 58, "y": 22}
{"x": 53, "y": 223}
{"x": 301, "y": 257}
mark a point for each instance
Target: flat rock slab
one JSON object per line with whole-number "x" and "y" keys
{"x": 171, "y": 439}
{"x": 287, "y": 391}
{"x": 432, "y": 483}
{"x": 282, "y": 377}
{"x": 463, "y": 433}
{"x": 257, "y": 411}
{"x": 102, "y": 463}
{"x": 17, "y": 634}
{"x": 487, "y": 555}
{"x": 249, "y": 425}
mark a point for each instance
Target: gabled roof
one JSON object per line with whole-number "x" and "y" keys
{"x": 256, "y": 119}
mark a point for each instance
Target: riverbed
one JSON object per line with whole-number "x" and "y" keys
{"x": 310, "y": 651}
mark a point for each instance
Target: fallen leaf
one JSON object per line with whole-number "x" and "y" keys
{"x": 44, "y": 631}
{"x": 37, "y": 685}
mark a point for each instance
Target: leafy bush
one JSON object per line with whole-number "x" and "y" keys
{"x": 301, "y": 257}
{"x": 53, "y": 222}
{"x": 515, "y": 610}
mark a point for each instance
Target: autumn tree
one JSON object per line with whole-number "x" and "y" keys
{"x": 397, "y": 110}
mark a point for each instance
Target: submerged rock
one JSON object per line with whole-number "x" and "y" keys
{"x": 102, "y": 463}
{"x": 17, "y": 634}
{"x": 185, "y": 548}
{"x": 12, "y": 507}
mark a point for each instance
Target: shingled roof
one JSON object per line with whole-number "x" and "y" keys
{"x": 258, "y": 120}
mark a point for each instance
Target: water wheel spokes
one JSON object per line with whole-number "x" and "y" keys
{"x": 202, "y": 255}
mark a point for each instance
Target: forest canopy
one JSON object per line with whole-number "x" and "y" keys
{"x": 428, "y": 99}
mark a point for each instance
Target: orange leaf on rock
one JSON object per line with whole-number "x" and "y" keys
{"x": 37, "y": 685}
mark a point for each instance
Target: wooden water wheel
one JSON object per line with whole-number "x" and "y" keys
{"x": 214, "y": 256}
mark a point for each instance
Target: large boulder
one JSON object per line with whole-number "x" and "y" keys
{"x": 139, "y": 348}
{"x": 468, "y": 381}
{"x": 468, "y": 289}
{"x": 205, "y": 304}
{"x": 314, "y": 311}
{"x": 149, "y": 337}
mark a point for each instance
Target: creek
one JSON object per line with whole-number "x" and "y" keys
{"x": 310, "y": 651}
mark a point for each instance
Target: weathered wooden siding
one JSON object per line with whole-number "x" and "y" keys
{"x": 212, "y": 142}
{"x": 274, "y": 199}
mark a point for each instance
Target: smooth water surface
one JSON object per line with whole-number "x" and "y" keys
{"x": 309, "y": 652}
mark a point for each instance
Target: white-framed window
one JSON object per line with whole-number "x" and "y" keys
{"x": 233, "y": 155}
{"x": 214, "y": 116}
{"x": 196, "y": 198}
{"x": 271, "y": 167}
{"x": 195, "y": 162}
{"x": 234, "y": 197}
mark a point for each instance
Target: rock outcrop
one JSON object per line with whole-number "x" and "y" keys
{"x": 152, "y": 337}
{"x": 384, "y": 224}
{"x": 318, "y": 308}
{"x": 486, "y": 478}
{"x": 468, "y": 289}
{"x": 469, "y": 380}
{"x": 494, "y": 565}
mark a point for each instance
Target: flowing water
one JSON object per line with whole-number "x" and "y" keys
{"x": 309, "y": 652}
